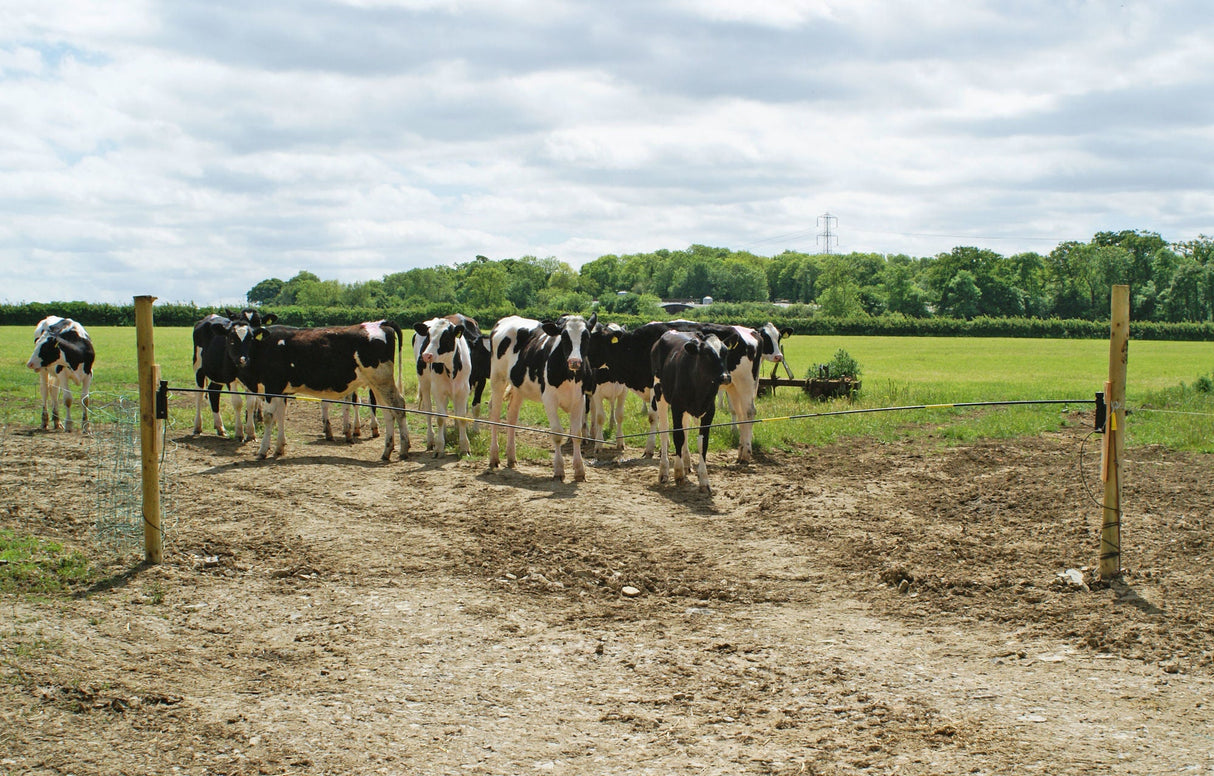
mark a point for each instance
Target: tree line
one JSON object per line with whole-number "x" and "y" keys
{"x": 1169, "y": 282}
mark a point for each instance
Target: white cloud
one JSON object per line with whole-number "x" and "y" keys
{"x": 191, "y": 150}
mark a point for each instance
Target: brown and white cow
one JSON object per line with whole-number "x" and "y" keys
{"x": 545, "y": 362}
{"x": 63, "y": 354}
{"x": 689, "y": 368}
{"x": 325, "y": 363}
{"x": 442, "y": 352}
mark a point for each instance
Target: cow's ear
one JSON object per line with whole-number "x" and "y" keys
{"x": 421, "y": 329}
{"x": 785, "y": 332}
{"x": 471, "y": 331}
{"x": 594, "y": 318}
{"x": 268, "y": 318}
{"x": 259, "y": 334}
{"x": 692, "y": 346}
{"x": 551, "y": 328}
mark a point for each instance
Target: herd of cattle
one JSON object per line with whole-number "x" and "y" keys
{"x": 573, "y": 365}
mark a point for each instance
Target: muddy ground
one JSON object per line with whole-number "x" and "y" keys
{"x": 863, "y": 608}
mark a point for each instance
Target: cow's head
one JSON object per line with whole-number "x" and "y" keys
{"x": 604, "y": 343}
{"x": 769, "y": 337}
{"x": 254, "y": 318}
{"x": 712, "y": 355}
{"x": 46, "y": 352}
{"x": 574, "y": 331}
{"x": 441, "y": 335}
{"x": 239, "y": 338}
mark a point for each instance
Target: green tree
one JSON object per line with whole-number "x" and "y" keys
{"x": 902, "y": 294}
{"x": 601, "y": 277}
{"x": 839, "y": 293}
{"x": 484, "y": 286}
{"x": 738, "y": 280}
{"x": 962, "y": 297}
{"x": 265, "y": 292}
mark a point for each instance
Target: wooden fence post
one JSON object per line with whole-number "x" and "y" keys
{"x": 1114, "y": 433}
{"x": 149, "y": 430}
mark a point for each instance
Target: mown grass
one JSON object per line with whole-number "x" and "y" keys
{"x": 897, "y": 371}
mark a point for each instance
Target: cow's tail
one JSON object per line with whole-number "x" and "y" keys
{"x": 400, "y": 342}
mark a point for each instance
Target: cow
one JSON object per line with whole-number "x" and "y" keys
{"x": 213, "y": 369}
{"x": 607, "y": 390}
{"x": 479, "y": 378}
{"x": 545, "y": 362}
{"x": 747, "y": 349}
{"x": 63, "y": 354}
{"x": 325, "y": 363}
{"x": 689, "y": 368}
{"x": 622, "y": 357}
{"x": 442, "y": 352}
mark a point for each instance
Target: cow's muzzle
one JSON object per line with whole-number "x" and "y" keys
{"x": 725, "y": 378}
{"x": 575, "y": 364}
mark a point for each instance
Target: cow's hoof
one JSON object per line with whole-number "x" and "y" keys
{"x": 579, "y": 477}
{"x": 706, "y": 490}
{"x": 375, "y": 435}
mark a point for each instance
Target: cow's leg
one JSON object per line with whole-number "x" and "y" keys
{"x": 679, "y": 436}
{"x": 702, "y": 468}
{"x": 275, "y": 413}
{"x": 394, "y": 408}
{"x": 653, "y": 417}
{"x": 425, "y": 402}
{"x": 478, "y": 391}
{"x": 213, "y": 394}
{"x": 497, "y": 392}
{"x": 459, "y": 401}
{"x": 576, "y": 420}
{"x": 558, "y": 433}
{"x": 346, "y": 432}
{"x": 743, "y": 409}
{"x": 44, "y": 392}
{"x": 663, "y": 412}
{"x": 252, "y": 408}
{"x": 324, "y": 421}
{"x": 86, "y": 383}
{"x": 374, "y": 418}
{"x": 65, "y": 388}
{"x": 441, "y": 400}
{"x": 516, "y": 402}
{"x": 238, "y": 431}
{"x": 199, "y": 397}
{"x": 357, "y": 431}
{"x": 56, "y": 387}
{"x": 617, "y": 422}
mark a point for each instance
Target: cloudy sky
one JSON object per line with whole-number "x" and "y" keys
{"x": 188, "y": 150}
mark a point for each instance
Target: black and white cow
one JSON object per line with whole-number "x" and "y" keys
{"x": 746, "y": 350}
{"x": 443, "y": 355}
{"x": 214, "y": 370}
{"x": 689, "y": 368}
{"x": 326, "y": 363}
{"x": 607, "y": 391}
{"x": 63, "y": 354}
{"x": 623, "y": 358}
{"x": 545, "y": 362}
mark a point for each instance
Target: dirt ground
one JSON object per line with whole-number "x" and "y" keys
{"x": 864, "y": 608}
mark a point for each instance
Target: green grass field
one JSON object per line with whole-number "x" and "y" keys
{"x": 897, "y": 371}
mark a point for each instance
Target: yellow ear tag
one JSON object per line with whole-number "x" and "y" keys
{"x": 615, "y": 340}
